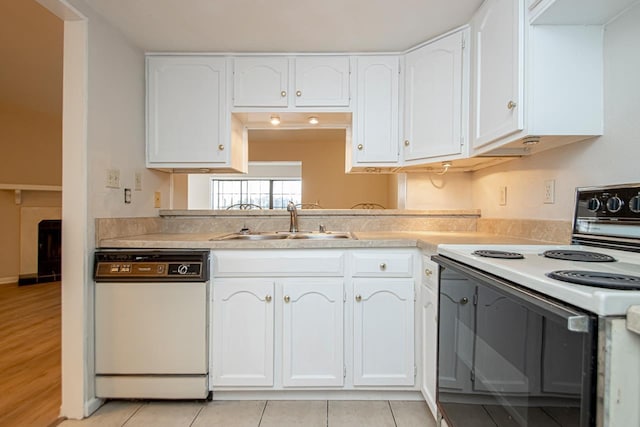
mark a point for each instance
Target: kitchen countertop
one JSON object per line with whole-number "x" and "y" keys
{"x": 425, "y": 240}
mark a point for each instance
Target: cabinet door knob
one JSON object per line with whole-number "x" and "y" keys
{"x": 383, "y": 266}
{"x": 511, "y": 105}
{"x": 299, "y": 93}
{"x": 283, "y": 93}
{"x": 286, "y": 298}
{"x": 358, "y": 298}
{"x": 221, "y": 147}
{"x": 406, "y": 143}
{"x": 267, "y": 298}
{"x": 428, "y": 272}
{"x": 464, "y": 300}
{"x": 360, "y": 147}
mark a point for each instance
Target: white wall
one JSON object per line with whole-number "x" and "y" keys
{"x": 610, "y": 159}
{"x": 432, "y": 191}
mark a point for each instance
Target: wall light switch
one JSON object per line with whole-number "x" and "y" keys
{"x": 113, "y": 178}
{"x": 138, "y": 182}
{"x": 503, "y": 196}
{"x": 549, "y": 191}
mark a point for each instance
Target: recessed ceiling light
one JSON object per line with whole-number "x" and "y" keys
{"x": 275, "y": 120}
{"x": 313, "y": 120}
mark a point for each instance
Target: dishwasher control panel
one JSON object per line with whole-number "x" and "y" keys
{"x": 127, "y": 265}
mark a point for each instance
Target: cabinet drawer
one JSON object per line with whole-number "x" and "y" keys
{"x": 383, "y": 264}
{"x": 277, "y": 263}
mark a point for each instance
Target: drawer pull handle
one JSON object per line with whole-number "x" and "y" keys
{"x": 360, "y": 146}
{"x": 511, "y": 105}
{"x": 383, "y": 266}
{"x": 286, "y": 298}
{"x": 299, "y": 93}
{"x": 267, "y": 298}
{"x": 428, "y": 272}
{"x": 464, "y": 300}
{"x": 221, "y": 147}
{"x": 283, "y": 93}
{"x": 358, "y": 298}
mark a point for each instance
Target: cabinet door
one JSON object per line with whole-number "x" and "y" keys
{"x": 312, "y": 334}
{"x": 186, "y": 110}
{"x": 260, "y": 81}
{"x": 376, "y": 123}
{"x": 322, "y": 81}
{"x": 429, "y": 318}
{"x": 383, "y": 332}
{"x": 433, "y": 99}
{"x": 242, "y": 332}
{"x": 498, "y": 74}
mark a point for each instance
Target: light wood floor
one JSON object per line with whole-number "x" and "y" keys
{"x": 30, "y": 387}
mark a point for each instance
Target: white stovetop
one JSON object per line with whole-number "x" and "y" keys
{"x": 530, "y": 272}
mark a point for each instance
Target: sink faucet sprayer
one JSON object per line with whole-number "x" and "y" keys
{"x": 293, "y": 223}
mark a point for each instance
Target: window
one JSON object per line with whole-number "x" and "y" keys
{"x": 266, "y": 193}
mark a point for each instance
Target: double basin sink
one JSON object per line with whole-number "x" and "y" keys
{"x": 280, "y": 235}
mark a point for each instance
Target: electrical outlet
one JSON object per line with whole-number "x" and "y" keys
{"x": 549, "y": 191}
{"x": 503, "y": 196}
{"x": 157, "y": 199}
{"x": 113, "y": 178}
{"x": 127, "y": 195}
{"x": 138, "y": 182}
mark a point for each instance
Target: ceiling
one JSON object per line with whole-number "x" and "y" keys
{"x": 283, "y": 25}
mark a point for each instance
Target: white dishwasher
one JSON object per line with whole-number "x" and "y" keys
{"x": 151, "y": 317}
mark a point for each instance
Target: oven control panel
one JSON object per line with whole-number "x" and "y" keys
{"x": 621, "y": 203}
{"x": 151, "y": 266}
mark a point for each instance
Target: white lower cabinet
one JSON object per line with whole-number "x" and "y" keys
{"x": 312, "y": 332}
{"x": 383, "y": 332}
{"x": 277, "y": 326}
{"x": 242, "y": 332}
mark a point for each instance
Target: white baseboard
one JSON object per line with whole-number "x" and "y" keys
{"x": 8, "y": 279}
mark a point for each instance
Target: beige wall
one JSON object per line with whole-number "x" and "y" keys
{"x": 322, "y": 153}
{"x": 31, "y": 144}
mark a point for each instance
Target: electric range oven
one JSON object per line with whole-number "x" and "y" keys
{"x": 534, "y": 335}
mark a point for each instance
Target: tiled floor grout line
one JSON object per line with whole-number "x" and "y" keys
{"x": 134, "y": 413}
{"x": 196, "y": 417}
{"x": 393, "y": 416}
{"x": 264, "y": 408}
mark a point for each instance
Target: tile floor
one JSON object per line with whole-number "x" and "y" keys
{"x": 272, "y": 413}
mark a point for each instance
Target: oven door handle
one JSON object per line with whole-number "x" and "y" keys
{"x": 576, "y": 321}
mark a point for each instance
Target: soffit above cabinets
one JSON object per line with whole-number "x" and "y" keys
{"x": 577, "y": 12}
{"x": 283, "y": 25}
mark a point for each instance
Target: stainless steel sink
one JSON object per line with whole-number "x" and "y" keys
{"x": 253, "y": 236}
{"x": 280, "y": 235}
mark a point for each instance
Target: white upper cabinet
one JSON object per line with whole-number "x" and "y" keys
{"x": 499, "y": 70}
{"x": 375, "y": 125}
{"x": 322, "y": 81}
{"x": 189, "y": 124}
{"x": 279, "y": 81}
{"x": 534, "y": 87}
{"x": 260, "y": 81}
{"x": 435, "y": 102}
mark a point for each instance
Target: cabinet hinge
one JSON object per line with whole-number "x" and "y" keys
{"x": 344, "y": 296}
{"x": 473, "y": 375}
{"x": 475, "y": 299}
{"x": 344, "y": 372}
{"x": 415, "y": 371}
{"x": 461, "y": 141}
{"x": 463, "y": 43}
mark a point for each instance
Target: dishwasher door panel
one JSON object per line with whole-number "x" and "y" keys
{"x": 151, "y": 328}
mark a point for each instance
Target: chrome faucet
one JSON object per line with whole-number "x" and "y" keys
{"x": 293, "y": 223}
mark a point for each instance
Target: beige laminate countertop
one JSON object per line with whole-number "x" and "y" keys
{"x": 425, "y": 240}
